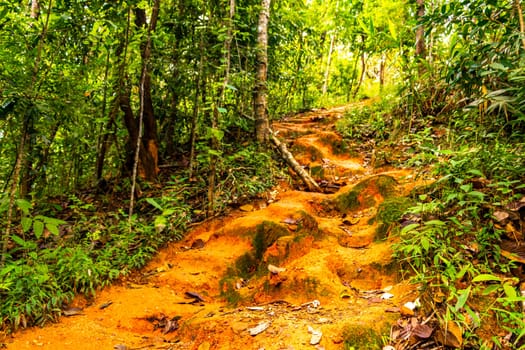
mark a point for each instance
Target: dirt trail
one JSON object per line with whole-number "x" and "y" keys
{"x": 335, "y": 271}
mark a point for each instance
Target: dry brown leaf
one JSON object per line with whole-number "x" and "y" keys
{"x": 451, "y": 335}
{"x": 423, "y": 331}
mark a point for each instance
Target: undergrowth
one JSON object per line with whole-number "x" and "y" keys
{"x": 453, "y": 236}
{"x": 81, "y": 243}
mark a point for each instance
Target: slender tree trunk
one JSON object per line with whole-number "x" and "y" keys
{"x": 146, "y": 115}
{"x": 103, "y": 142}
{"x": 262, "y": 124}
{"x": 35, "y": 9}
{"x": 519, "y": 11}
{"x": 328, "y": 64}
{"x": 363, "y": 71}
{"x": 382, "y": 64}
{"x": 195, "y": 114}
{"x": 215, "y": 143}
{"x": 420, "y": 31}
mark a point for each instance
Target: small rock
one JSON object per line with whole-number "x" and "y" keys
{"x": 386, "y": 296}
{"x": 275, "y": 270}
{"x": 316, "y": 335}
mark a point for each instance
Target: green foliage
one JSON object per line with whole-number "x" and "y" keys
{"x": 452, "y": 244}
{"x": 368, "y": 122}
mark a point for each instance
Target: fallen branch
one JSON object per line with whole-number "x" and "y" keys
{"x": 289, "y": 158}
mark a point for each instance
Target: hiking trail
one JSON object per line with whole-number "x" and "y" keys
{"x": 331, "y": 280}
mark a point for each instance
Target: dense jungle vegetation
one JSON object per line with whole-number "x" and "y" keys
{"x": 123, "y": 123}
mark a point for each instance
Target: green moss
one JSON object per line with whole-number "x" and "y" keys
{"x": 390, "y": 212}
{"x": 314, "y": 153}
{"x": 363, "y": 194}
{"x": 360, "y": 337}
{"x": 228, "y": 291}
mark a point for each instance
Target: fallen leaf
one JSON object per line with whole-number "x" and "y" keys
{"x": 450, "y": 336}
{"x": 194, "y": 295}
{"x": 247, "y": 207}
{"x": 105, "y": 305}
{"x": 405, "y": 311}
{"x": 261, "y": 327}
{"x": 171, "y": 325}
{"x": 72, "y": 311}
{"x": 500, "y": 215}
{"x": 423, "y": 331}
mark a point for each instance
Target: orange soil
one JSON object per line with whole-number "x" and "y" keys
{"x": 336, "y": 268}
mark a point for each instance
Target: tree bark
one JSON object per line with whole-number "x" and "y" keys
{"x": 328, "y": 64}
{"x": 420, "y": 31}
{"x": 262, "y": 125}
{"x": 148, "y": 154}
{"x": 519, "y": 11}
{"x": 289, "y": 158}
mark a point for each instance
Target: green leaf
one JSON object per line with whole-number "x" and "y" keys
{"x": 213, "y": 152}
{"x": 154, "y": 203}
{"x": 217, "y": 134}
{"x": 425, "y": 243}
{"x": 435, "y": 223}
{"x": 475, "y": 172}
{"x": 52, "y": 228}
{"x": 26, "y": 224}
{"x": 18, "y": 240}
{"x": 38, "y": 228}
{"x": 222, "y": 110}
{"x": 509, "y": 290}
{"x": 462, "y": 298}
{"x": 160, "y": 223}
{"x": 23, "y": 205}
{"x": 486, "y": 277}
{"x": 409, "y": 228}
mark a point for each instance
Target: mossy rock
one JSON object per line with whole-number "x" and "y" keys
{"x": 313, "y": 153}
{"x": 338, "y": 146}
{"x": 267, "y": 233}
{"x": 388, "y": 213}
{"x": 366, "y": 193}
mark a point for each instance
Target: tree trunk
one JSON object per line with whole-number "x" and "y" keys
{"x": 148, "y": 148}
{"x": 420, "y": 31}
{"x": 363, "y": 71}
{"x": 328, "y": 64}
{"x": 262, "y": 125}
{"x": 289, "y": 158}
{"x": 519, "y": 12}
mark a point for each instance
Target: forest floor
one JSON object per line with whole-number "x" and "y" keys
{"x": 331, "y": 281}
